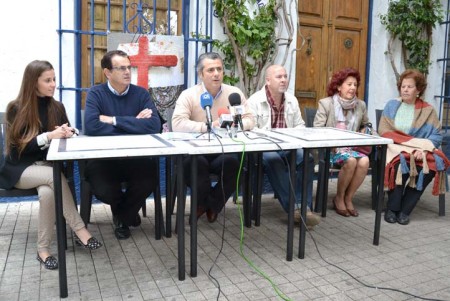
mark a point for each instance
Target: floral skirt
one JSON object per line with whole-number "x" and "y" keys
{"x": 342, "y": 154}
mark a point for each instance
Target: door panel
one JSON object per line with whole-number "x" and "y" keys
{"x": 307, "y": 81}
{"x": 335, "y": 33}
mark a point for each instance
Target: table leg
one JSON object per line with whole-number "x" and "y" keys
{"x": 246, "y": 197}
{"x": 381, "y": 168}
{"x": 193, "y": 216}
{"x": 60, "y": 229}
{"x": 180, "y": 218}
{"x": 169, "y": 196}
{"x": 306, "y": 167}
{"x": 290, "y": 236}
{"x": 325, "y": 179}
{"x": 259, "y": 181}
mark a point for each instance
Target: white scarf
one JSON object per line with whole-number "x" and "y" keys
{"x": 349, "y": 106}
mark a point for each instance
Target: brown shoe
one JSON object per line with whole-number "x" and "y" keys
{"x": 311, "y": 219}
{"x": 353, "y": 212}
{"x": 200, "y": 212}
{"x": 211, "y": 215}
{"x": 340, "y": 211}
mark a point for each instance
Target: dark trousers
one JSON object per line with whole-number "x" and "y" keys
{"x": 107, "y": 177}
{"x": 213, "y": 198}
{"x": 404, "y": 199}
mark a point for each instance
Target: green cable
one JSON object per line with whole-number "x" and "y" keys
{"x": 241, "y": 241}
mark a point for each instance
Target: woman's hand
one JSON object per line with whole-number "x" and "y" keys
{"x": 418, "y": 155}
{"x": 63, "y": 131}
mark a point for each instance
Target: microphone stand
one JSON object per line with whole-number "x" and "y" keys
{"x": 208, "y": 126}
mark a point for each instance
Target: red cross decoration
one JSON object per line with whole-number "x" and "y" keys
{"x": 143, "y": 61}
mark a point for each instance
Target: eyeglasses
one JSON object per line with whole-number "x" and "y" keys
{"x": 122, "y": 68}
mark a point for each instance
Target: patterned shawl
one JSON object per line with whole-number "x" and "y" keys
{"x": 425, "y": 136}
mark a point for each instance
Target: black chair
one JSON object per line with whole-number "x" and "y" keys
{"x": 255, "y": 164}
{"x": 86, "y": 198}
{"x": 323, "y": 177}
{"x": 14, "y": 192}
{"x": 378, "y": 114}
{"x": 171, "y": 182}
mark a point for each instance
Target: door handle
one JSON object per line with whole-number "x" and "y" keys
{"x": 308, "y": 45}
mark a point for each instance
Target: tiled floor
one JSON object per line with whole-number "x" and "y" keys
{"x": 413, "y": 258}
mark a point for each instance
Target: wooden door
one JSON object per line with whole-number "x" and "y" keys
{"x": 335, "y": 35}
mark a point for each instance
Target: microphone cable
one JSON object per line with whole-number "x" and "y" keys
{"x": 241, "y": 241}
{"x": 213, "y": 279}
{"x": 320, "y": 254}
{"x": 241, "y": 219}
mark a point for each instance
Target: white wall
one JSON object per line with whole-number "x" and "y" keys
{"x": 218, "y": 33}
{"x": 382, "y": 83}
{"x": 31, "y": 35}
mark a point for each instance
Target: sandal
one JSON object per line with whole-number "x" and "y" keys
{"x": 92, "y": 243}
{"x": 50, "y": 263}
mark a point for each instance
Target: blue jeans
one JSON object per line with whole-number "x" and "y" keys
{"x": 277, "y": 172}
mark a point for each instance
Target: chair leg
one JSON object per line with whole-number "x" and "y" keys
{"x": 319, "y": 189}
{"x": 85, "y": 202}
{"x": 442, "y": 204}
{"x": 68, "y": 170}
{"x": 144, "y": 210}
{"x": 184, "y": 200}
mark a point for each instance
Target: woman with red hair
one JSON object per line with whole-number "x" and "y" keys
{"x": 342, "y": 109}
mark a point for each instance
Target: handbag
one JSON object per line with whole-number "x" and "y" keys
{"x": 366, "y": 150}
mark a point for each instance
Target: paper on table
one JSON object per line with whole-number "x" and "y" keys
{"x": 112, "y": 142}
{"x": 180, "y": 136}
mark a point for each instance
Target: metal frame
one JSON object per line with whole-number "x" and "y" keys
{"x": 191, "y": 38}
{"x": 445, "y": 71}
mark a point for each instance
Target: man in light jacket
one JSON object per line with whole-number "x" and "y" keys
{"x": 273, "y": 107}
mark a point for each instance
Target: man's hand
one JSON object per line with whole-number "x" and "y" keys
{"x": 145, "y": 113}
{"x": 106, "y": 119}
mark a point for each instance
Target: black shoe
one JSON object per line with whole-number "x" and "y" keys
{"x": 121, "y": 230}
{"x": 136, "y": 222}
{"x": 403, "y": 219}
{"x": 50, "y": 263}
{"x": 390, "y": 217}
{"x": 92, "y": 243}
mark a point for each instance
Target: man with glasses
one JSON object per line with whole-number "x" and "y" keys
{"x": 118, "y": 107}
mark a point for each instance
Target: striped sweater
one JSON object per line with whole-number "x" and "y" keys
{"x": 425, "y": 136}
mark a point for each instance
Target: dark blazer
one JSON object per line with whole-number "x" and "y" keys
{"x": 12, "y": 166}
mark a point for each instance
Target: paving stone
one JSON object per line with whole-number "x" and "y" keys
{"x": 413, "y": 258}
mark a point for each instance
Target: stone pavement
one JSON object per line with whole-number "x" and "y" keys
{"x": 413, "y": 258}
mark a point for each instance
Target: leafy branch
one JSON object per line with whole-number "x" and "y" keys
{"x": 412, "y": 22}
{"x": 253, "y": 39}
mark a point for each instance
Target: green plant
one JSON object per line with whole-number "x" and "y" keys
{"x": 412, "y": 22}
{"x": 252, "y": 39}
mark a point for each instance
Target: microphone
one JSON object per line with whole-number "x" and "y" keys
{"x": 235, "y": 101}
{"x": 206, "y": 103}
{"x": 225, "y": 118}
